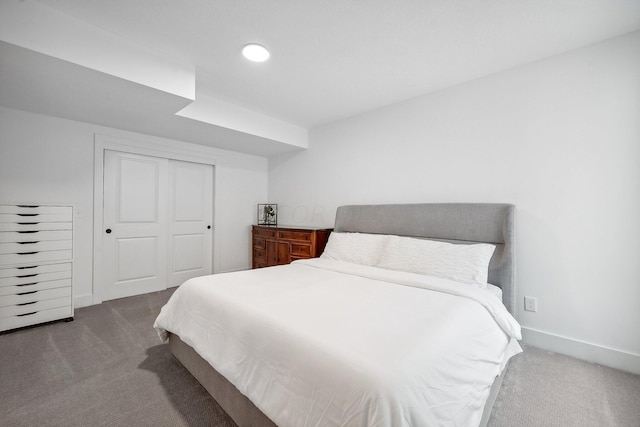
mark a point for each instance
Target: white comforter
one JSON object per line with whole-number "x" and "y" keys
{"x": 329, "y": 343}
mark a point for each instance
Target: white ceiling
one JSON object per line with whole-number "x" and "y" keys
{"x": 332, "y": 59}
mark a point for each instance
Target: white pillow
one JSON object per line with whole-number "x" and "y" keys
{"x": 494, "y": 290}
{"x": 459, "y": 262}
{"x": 358, "y": 248}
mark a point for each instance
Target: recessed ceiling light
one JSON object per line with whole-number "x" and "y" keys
{"x": 255, "y": 52}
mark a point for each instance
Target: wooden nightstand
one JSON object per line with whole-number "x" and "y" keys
{"x": 278, "y": 245}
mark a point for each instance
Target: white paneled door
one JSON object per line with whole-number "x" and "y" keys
{"x": 190, "y": 220}
{"x": 156, "y": 217}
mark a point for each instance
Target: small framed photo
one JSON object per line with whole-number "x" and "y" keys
{"x": 267, "y": 214}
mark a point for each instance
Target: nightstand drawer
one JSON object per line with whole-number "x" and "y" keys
{"x": 259, "y": 243}
{"x": 300, "y": 249}
{"x": 295, "y": 235}
{"x": 259, "y": 254}
{"x": 265, "y": 232}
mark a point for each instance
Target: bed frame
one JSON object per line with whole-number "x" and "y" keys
{"x": 463, "y": 223}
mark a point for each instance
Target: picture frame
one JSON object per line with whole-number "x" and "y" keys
{"x": 267, "y": 214}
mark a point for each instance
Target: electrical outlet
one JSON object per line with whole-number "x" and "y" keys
{"x": 530, "y": 304}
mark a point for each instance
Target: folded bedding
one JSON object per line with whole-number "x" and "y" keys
{"x": 324, "y": 342}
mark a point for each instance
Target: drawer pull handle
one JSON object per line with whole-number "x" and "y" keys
{"x": 26, "y": 243}
{"x": 28, "y": 284}
{"x": 27, "y": 253}
{"x": 27, "y": 293}
{"x": 27, "y": 266}
{"x": 28, "y": 223}
{"x": 27, "y": 275}
{"x": 28, "y": 231}
{"x": 28, "y": 206}
{"x": 29, "y": 214}
{"x": 26, "y": 314}
{"x": 26, "y": 303}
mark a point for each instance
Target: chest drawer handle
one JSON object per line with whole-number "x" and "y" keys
{"x": 27, "y": 275}
{"x": 26, "y": 303}
{"x": 26, "y": 314}
{"x": 28, "y": 284}
{"x": 28, "y": 206}
{"x": 27, "y": 253}
{"x": 28, "y": 231}
{"x": 26, "y": 243}
{"x": 28, "y": 214}
{"x": 27, "y": 293}
{"x": 28, "y": 223}
{"x": 27, "y": 267}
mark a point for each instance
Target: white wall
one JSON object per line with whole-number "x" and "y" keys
{"x": 560, "y": 138}
{"x": 46, "y": 160}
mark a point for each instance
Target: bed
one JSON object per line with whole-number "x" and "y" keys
{"x": 363, "y": 335}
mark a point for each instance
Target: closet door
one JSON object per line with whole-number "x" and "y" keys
{"x": 135, "y": 224}
{"x": 190, "y": 221}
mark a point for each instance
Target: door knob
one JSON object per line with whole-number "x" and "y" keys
{"x": 108, "y": 231}
{"x": 208, "y": 227}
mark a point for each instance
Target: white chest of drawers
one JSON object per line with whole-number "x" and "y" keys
{"x": 36, "y": 253}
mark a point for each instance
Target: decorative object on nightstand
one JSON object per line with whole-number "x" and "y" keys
{"x": 267, "y": 214}
{"x": 273, "y": 245}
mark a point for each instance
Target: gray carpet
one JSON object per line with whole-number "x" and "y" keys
{"x": 108, "y": 368}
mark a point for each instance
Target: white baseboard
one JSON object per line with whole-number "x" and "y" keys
{"x": 83, "y": 300}
{"x": 582, "y": 350}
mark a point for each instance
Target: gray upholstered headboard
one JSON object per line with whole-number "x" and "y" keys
{"x": 453, "y": 222}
